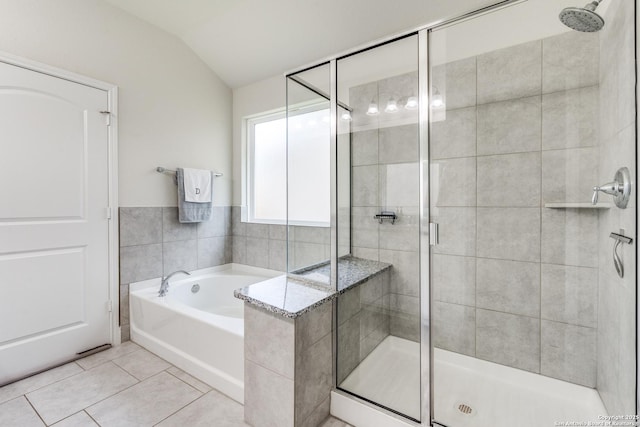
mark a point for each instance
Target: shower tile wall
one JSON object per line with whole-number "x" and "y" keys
{"x": 515, "y": 282}
{"x": 363, "y": 318}
{"x": 385, "y": 176}
{"x": 153, "y": 243}
{"x": 617, "y": 297}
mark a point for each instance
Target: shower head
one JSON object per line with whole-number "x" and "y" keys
{"x": 583, "y": 19}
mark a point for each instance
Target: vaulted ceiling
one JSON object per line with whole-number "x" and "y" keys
{"x": 244, "y": 41}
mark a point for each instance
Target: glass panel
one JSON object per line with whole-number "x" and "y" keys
{"x": 378, "y": 353}
{"x": 308, "y": 163}
{"x": 532, "y": 325}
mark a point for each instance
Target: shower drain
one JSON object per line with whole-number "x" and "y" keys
{"x": 465, "y": 409}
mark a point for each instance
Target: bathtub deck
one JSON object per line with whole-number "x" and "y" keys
{"x": 135, "y": 384}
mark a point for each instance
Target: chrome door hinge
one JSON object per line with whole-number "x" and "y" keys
{"x": 107, "y": 117}
{"x": 434, "y": 234}
{"x": 110, "y": 306}
{"x": 109, "y": 212}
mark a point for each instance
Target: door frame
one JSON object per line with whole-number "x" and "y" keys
{"x": 112, "y": 160}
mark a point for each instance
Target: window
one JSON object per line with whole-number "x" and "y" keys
{"x": 309, "y": 167}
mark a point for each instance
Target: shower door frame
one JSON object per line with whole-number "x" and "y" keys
{"x": 426, "y": 238}
{"x": 423, "y": 126}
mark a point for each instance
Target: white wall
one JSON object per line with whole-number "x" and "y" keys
{"x": 265, "y": 95}
{"x": 173, "y": 110}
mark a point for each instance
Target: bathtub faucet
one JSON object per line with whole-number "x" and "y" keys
{"x": 164, "y": 286}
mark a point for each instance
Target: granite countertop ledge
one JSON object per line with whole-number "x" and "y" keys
{"x": 284, "y": 295}
{"x": 352, "y": 271}
{"x": 292, "y": 296}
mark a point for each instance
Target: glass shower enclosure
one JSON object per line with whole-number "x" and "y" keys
{"x": 467, "y": 165}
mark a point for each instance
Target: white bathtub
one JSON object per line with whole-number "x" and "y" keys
{"x": 202, "y": 333}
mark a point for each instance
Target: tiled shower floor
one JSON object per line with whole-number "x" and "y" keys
{"x": 123, "y": 386}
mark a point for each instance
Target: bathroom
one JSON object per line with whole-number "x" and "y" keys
{"x": 403, "y": 227}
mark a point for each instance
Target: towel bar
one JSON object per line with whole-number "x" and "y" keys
{"x": 160, "y": 169}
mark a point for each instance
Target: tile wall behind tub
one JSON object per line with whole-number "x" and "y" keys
{"x": 153, "y": 243}
{"x": 617, "y": 296}
{"x": 514, "y": 282}
{"x": 385, "y": 176}
{"x": 265, "y": 245}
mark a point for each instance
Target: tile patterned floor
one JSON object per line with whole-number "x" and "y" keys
{"x": 123, "y": 386}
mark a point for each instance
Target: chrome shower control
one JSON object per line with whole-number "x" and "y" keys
{"x": 619, "y": 188}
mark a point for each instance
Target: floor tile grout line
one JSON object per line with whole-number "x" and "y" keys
{"x": 118, "y": 392}
{"x": 45, "y": 385}
{"x": 89, "y": 415}
{"x": 68, "y": 377}
{"x": 127, "y": 388}
{"x": 139, "y": 347}
{"x": 34, "y": 409}
{"x": 190, "y": 385}
{"x": 73, "y": 415}
{"x": 183, "y": 407}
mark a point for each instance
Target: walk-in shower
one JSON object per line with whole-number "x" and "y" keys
{"x": 465, "y": 156}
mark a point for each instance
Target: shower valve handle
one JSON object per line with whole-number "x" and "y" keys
{"x": 619, "y": 188}
{"x": 612, "y": 188}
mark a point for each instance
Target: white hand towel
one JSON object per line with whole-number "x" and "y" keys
{"x": 197, "y": 185}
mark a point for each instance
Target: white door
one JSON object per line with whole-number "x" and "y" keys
{"x": 54, "y": 260}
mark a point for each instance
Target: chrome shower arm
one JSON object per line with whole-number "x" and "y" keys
{"x": 593, "y": 5}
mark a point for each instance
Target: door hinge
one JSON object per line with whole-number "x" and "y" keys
{"x": 109, "y": 306}
{"x": 434, "y": 234}
{"x": 109, "y": 212}
{"x": 107, "y": 117}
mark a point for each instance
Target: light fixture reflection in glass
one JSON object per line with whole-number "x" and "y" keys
{"x": 346, "y": 116}
{"x": 392, "y": 106}
{"x": 412, "y": 103}
{"x": 436, "y": 100}
{"x": 373, "y": 109}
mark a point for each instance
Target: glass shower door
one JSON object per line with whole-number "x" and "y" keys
{"x": 378, "y": 343}
{"x": 532, "y": 324}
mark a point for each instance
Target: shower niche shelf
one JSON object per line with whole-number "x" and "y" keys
{"x": 577, "y": 206}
